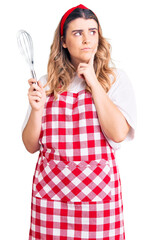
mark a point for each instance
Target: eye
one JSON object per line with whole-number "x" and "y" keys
{"x": 92, "y": 32}
{"x": 77, "y": 33}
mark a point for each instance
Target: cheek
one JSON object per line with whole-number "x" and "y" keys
{"x": 72, "y": 47}
{"x": 96, "y": 41}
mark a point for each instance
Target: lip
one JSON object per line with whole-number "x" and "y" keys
{"x": 86, "y": 49}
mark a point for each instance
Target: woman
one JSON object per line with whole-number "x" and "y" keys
{"x": 88, "y": 108}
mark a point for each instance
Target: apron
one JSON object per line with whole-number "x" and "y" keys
{"x": 76, "y": 167}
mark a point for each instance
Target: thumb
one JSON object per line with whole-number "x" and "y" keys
{"x": 40, "y": 84}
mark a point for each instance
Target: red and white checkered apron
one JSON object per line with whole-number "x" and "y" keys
{"x": 76, "y": 186}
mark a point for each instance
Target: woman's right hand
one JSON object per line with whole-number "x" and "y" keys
{"x": 36, "y": 95}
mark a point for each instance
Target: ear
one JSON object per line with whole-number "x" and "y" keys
{"x": 63, "y": 42}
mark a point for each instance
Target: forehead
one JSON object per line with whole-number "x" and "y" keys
{"x": 81, "y": 23}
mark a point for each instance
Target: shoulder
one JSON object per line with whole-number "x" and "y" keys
{"x": 43, "y": 79}
{"x": 122, "y": 82}
{"x": 121, "y": 77}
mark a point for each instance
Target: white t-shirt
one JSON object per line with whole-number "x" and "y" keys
{"x": 122, "y": 95}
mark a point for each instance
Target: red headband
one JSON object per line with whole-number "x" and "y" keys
{"x": 65, "y": 16}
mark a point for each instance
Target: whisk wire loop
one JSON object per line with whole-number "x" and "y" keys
{"x": 25, "y": 45}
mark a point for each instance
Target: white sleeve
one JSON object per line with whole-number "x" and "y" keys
{"x": 43, "y": 80}
{"x": 122, "y": 95}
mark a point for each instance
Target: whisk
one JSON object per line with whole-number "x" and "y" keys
{"x": 25, "y": 45}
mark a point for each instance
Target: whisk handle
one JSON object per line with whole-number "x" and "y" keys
{"x": 33, "y": 74}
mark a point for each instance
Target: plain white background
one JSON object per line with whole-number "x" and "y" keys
{"x": 128, "y": 26}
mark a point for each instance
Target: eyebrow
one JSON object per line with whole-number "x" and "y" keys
{"x": 80, "y": 30}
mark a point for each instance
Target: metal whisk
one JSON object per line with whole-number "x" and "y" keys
{"x": 25, "y": 45}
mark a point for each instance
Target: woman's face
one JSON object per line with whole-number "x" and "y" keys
{"x": 81, "y": 40}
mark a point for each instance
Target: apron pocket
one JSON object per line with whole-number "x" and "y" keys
{"x": 74, "y": 181}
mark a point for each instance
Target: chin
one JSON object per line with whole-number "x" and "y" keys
{"x": 85, "y": 59}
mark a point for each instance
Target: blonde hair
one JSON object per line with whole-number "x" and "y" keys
{"x": 61, "y": 71}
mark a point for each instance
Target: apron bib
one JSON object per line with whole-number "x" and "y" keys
{"x": 73, "y": 164}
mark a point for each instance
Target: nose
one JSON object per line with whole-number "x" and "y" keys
{"x": 85, "y": 38}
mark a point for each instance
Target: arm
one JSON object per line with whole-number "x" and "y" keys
{"x": 112, "y": 121}
{"x": 31, "y": 132}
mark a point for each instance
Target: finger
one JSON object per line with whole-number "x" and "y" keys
{"x": 81, "y": 65}
{"x": 35, "y": 87}
{"x": 34, "y": 98}
{"x": 91, "y": 61}
{"x": 80, "y": 73}
{"x": 36, "y": 93}
{"x": 31, "y": 81}
{"x": 41, "y": 87}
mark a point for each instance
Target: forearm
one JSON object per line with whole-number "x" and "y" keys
{"x": 32, "y": 130}
{"x": 112, "y": 121}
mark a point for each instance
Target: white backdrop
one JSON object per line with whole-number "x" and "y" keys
{"x": 128, "y": 25}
